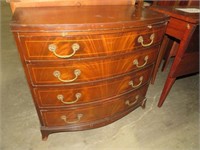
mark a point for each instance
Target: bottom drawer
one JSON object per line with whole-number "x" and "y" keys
{"x": 93, "y": 113}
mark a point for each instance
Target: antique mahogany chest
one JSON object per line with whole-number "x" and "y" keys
{"x": 87, "y": 66}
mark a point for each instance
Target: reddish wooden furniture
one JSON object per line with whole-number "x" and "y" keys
{"x": 176, "y": 3}
{"x": 171, "y": 43}
{"x": 43, "y": 3}
{"x": 185, "y": 28}
{"x": 87, "y": 66}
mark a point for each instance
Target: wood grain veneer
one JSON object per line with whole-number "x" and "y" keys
{"x": 95, "y": 112}
{"x": 43, "y": 73}
{"x": 37, "y": 47}
{"x": 47, "y": 97}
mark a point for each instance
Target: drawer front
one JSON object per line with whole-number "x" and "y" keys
{"x": 89, "y": 114}
{"x": 72, "y": 47}
{"x": 86, "y": 71}
{"x": 74, "y": 95}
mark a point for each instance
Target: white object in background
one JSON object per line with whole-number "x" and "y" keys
{"x": 189, "y": 10}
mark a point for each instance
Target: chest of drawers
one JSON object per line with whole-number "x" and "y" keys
{"x": 87, "y": 66}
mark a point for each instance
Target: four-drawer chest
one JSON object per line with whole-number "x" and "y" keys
{"x": 87, "y": 66}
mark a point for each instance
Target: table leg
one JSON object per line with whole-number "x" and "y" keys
{"x": 160, "y": 57}
{"x": 172, "y": 52}
{"x": 168, "y": 84}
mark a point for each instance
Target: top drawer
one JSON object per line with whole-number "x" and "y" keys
{"x": 58, "y": 47}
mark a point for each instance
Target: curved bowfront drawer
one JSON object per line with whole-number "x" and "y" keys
{"x": 86, "y": 71}
{"x": 75, "y": 95}
{"x": 93, "y": 113}
{"x": 84, "y": 46}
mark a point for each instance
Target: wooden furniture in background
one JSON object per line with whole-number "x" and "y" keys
{"x": 171, "y": 43}
{"x": 176, "y": 3}
{"x": 87, "y": 66}
{"x": 183, "y": 27}
{"x": 43, "y": 3}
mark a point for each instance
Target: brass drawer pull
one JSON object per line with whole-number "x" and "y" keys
{"x": 64, "y": 118}
{"x": 57, "y": 74}
{"x": 135, "y": 62}
{"x": 75, "y": 47}
{"x": 149, "y": 26}
{"x": 133, "y": 103}
{"x": 135, "y": 86}
{"x": 61, "y": 98}
{"x": 141, "y": 40}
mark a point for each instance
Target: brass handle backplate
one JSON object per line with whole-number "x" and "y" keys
{"x": 127, "y": 102}
{"x": 75, "y": 47}
{"x": 141, "y": 40}
{"x": 64, "y": 118}
{"x": 135, "y": 86}
{"x": 57, "y": 74}
{"x": 61, "y": 98}
{"x": 135, "y": 62}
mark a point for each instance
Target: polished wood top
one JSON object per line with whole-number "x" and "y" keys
{"x": 84, "y": 17}
{"x": 181, "y": 15}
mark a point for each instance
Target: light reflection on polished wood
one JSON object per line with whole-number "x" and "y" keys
{"x": 90, "y": 70}
{"x": 37, "y": 48}
{"x": 47, "y": 97}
